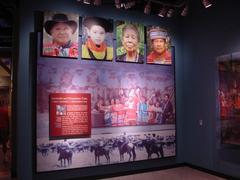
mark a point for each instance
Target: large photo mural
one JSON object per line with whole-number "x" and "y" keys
{"x": 131, "y": 105}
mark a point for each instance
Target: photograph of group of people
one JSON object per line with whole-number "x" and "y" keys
{"x": 135, "y": 106}
{"x": 120, "y": 96}
{"x": 62, "y": 33}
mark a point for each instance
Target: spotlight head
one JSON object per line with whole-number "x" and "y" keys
{"x": 207, "y": 3}
{"x": 163, "y": 11}
{"x": 184, "y": 11}
{"x": 97, "y": 2}
{"x": 170, "y": 12}
{"x": 118, "y": 4}
{"x": 147, "y": 8}
{"x": 87, "y": 1}
{"x": 130, "y": 3}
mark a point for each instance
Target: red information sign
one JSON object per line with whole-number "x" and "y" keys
{"x": 70, "y": 115}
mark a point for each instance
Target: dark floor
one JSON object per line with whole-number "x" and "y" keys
{"x": 180, "y": 173}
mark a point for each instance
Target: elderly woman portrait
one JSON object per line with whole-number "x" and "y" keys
{"x": 130, "y": 42}
{"x": 60, "y": 35}
{"x": 158, "y": 46}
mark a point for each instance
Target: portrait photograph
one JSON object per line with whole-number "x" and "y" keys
{"x": 130, "y": 42}
{"x": 158, "y": 46}
{"x": 60, "y": 35}
{"x": 97, "y": 38}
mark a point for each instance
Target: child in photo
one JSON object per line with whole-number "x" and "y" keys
{"x": 95, "y": 46}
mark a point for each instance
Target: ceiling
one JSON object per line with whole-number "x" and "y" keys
{"x": 155, "y": 4}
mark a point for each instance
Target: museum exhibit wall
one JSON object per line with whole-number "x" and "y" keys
{"x": 26, "y": 137}
{"x": 207, "y": 35}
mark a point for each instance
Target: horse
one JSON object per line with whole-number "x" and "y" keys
{"x": 126, "y": 147}
{"x": 100, "y": 151}
{"x": 53, "y": 148}
{"x": 152, "y": 147}
{"x": 43, "y": 150}
{"x": 65, "y": 155}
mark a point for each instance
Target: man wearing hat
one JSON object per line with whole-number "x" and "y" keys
{"x": 95, "y": 46}
{"x": 61, "y": 31}
{"x": 159, "y": 53}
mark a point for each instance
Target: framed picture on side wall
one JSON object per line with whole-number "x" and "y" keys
{"x": 229, "y": 98}
{"x": 60, "y": 35}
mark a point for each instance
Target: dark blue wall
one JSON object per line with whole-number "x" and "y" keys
{"x": 208, "y": 33}
{"x": 25, "y": 81}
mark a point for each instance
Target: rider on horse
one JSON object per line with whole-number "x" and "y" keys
{"x": 65, "y": 145}
{"x": 124, "y": 139}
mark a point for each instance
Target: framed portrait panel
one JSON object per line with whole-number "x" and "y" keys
{"x": 97, "y": 38}
{"x": 60, "y": 35}
{"x": 130, "y": 40}
{"x": 158, "y": 46}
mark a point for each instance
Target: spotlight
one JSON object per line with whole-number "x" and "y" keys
{"x": 163, "y": 11}
{"x": 207, "y": 3}
{"x": 184, "y": 11}
{"x": 87, "y": 1}
{"x": 132, "y": 3}
{"x": 97, "y": 2}
{"x": 170, "y": 12}
{"x": 126, "y": 6}
{"x": 118, "y": 4}
{"x": 129, "y": 4}
{"x": 147, "y": 8}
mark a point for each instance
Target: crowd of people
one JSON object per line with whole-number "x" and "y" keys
{"x": 135, "y": 108}
{"x": 148, "y": 103}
